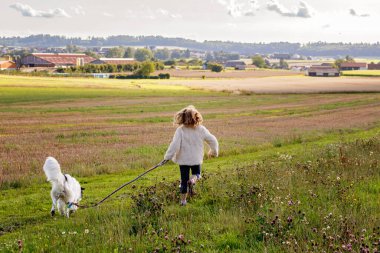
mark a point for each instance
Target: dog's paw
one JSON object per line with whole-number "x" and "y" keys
{"x": 52, "y": 212}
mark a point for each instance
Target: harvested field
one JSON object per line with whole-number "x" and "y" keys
{"x": 289, "y": 84}
{"x": 228, "y": 73}
{"x": 90, "y": 123}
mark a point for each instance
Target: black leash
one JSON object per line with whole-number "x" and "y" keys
{"x": 121, "y": 187}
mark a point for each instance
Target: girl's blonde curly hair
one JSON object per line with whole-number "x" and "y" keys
{"x": 188, "y": 116}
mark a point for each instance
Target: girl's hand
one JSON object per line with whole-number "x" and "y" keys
{"x": 210, "y": 154}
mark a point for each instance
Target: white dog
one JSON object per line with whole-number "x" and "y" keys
{"x": 65, "y": 192}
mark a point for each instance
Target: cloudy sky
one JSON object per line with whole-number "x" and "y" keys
{"x": 233, "y": 20}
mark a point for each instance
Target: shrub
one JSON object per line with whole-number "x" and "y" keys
{"x": 146, "y": 69}
{"x": 164, "y": 76}
{"x": 169, "y": 63}
{"x": 159, "y": 66}
{"x": 216, "y": 68}
{"x": 136, "y": 76}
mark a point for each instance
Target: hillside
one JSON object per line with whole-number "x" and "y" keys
{"x": 309, "y": 49}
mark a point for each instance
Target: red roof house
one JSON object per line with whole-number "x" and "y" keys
{"x": 7, "y": 65}
{"x": 55, "y": 60}
{"x": 114, "y": 61}
{"x": 353, "y": 66}
{"x": 318, "y": 70}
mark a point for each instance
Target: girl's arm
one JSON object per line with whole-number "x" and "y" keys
{"x": 174, "y": 145}
{"x": 212, "y": 142}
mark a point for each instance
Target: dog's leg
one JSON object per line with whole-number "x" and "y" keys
{"x": 61, "y": 206}
{"x": 54, "y": 200}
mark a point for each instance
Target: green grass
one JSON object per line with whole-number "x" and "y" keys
{"x": 243, "y": 202}
{"x": 310, "y": 190}
{"x": 365, "y": 73}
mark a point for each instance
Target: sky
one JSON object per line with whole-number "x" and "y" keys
{"x": 227, "y": 20}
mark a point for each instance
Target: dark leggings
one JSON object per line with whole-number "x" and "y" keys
{"x": 185, "y": 174}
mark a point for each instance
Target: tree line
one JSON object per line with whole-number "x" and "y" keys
{"x": 309, "y": 49}
{"x": 144, "y": 68}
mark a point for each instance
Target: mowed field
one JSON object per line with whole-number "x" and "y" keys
{"x": 287, "y": 84}
{"x": 249, "y": 73}
{"x": 296, "y": 172}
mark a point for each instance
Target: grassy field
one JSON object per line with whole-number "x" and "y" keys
{"x": 367, "y": 73}
{"x": 296, "y": 173}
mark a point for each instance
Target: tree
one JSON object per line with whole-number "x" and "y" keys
{"x": 176, "y": 54}
{"x": 349, "y": 59}
{"x": 195, "y": 62}
{"x": 129, "y": 52}
{"x": 72, "y": 49}
{"x": 143, "y": 54}
{"x": 337, "y": 63}
{"x": 92, "y": 54}
{"x": 283, "y": 64}
{"x": 258, "y": 61}
{"x": 115, "y": 52}
{"x": 146, "y": 69}
{"x": 162, "y": 54}
{"x": 169, "y": 62}
{"x": 187, "y": 53}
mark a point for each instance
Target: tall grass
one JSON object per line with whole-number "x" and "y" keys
{"x": 321, "y": 200}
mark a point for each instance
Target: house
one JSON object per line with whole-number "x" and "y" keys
{"x": 374, "y": 66}
{"x": 318, "y": 70}
{"x": 101, "y": 75}
{"x": 7, "y": 65}
{"x": 114, "y": 61}
{"x": 237, "y": 64}
{"x": 54, "y": 60}
{"x": 282, "y": 56}
{"x": 353, "y": 66}
{"x": 296, "y": 68}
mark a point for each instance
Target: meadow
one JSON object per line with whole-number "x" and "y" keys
{"x": 296, "y": 172}
{"x": 367, "y": 73}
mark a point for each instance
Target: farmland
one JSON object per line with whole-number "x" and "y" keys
{"x": 297, "y": 171}
{"x": 256, "y": 73}
{"x": 366, "y": 73}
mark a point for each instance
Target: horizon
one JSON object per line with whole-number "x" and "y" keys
{"x": 199, "y": 41}
{"x": 244, "y": 21}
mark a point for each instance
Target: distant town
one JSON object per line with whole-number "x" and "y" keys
{"x": 137, "y": 61}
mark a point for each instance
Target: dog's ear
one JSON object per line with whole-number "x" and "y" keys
{"x": 82, "y": 188}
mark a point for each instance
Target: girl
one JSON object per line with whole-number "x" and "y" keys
{"x": 186, "y": 148}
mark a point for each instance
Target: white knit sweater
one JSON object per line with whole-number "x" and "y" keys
{"x": 186, "y": 147}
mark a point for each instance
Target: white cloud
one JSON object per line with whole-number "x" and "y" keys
{"x": 107, "y": 14}
{"x": 153, "y": 14}
{"x": 326, "y": 26}
{"x": 302, "y": 11}
{"x": 163, "y": 12}
{"x": 166, "y": 13}
{"x": 28, "y": 11}
{"x": 239, "y": 8}
{"x": 354, "y": 13}
{"x": 79, "y": 10}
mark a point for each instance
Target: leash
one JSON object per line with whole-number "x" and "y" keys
{"x": 163, "y": 162}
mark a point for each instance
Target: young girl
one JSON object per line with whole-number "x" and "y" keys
{"x": 186, "y": 148}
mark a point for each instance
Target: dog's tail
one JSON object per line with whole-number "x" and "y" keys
{"x": 52, "y": 169}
